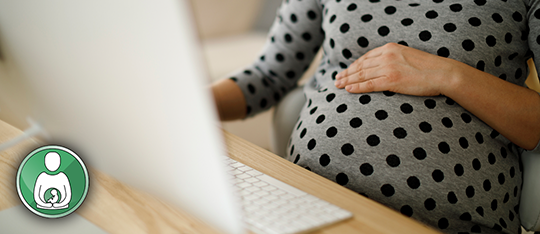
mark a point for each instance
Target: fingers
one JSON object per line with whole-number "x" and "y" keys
{"x": 368, "y": 86}
{"x": 378, "y": 81}
{"x": 360, "y": 76}
{"x": 359, "y": 63}
{"x": 362, "y": 72}
{"x": 372, "y": 70}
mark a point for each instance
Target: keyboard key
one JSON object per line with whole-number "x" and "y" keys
{"x": 297, "y": 201}
{"x": 244, "y": 168}
{"x": 262, "y": 193}
{"x": 287, "y": 196}
{"x": 237, "y": 165}
{"x": 271, "y": 197}
{"x": 281, "y": 202}
{"x": 243, "y": 176}
{"x": 260, "y": 184}
{"x": 261, "y": 212}
{"x": 245, "y": 192}
{"x": 251, "y": 209}
{"x": 254, "y": 173}
{"x": 269, "y": 188}
{"x": 238, "y": 181}
{"x": 236, "y": 172}
{"x": 309, "y": 198}
{"x": 244, "y": 185}
{"x": 251, "y": 197}
{"x": 260, "y": 202}
{"x": 252, "y": 180}
{"x": 270, "y": 206}
{"x": 278, "y": 192}
{"x": 253, "y": 189}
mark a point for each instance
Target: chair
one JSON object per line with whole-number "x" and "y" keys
{"x": 529, "y": 209}
{"x": 285, "y": 115}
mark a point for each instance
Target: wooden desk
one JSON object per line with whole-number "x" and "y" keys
{"x": 117, "y": 208}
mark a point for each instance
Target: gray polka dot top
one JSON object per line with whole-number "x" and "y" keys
{"x": 426, "y": 157}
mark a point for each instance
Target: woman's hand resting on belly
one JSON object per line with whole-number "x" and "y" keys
{"x": 399, "y": 69}
{"x": 512, "y": 110}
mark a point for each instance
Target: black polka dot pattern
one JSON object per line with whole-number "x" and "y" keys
{"x": 413, "y": 182}
{"x": 398, "y": 149}
{"x": 324, "y": 160}
{"x": 366, "y": 169}
{"x": 393, "y": 160}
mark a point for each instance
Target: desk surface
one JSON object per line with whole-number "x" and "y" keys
{"x": 117, "y": 208}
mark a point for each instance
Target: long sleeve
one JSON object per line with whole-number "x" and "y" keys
{"x": 533, "y": 16}
{"x": 293, "y": 42}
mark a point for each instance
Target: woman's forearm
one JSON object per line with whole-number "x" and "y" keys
{"x": 512, "y": 110}
{"x": 229, "y": 99}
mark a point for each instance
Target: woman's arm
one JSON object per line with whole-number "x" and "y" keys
{"x": 293, "y": 42}
{"x": 229, "y": 99}
{"x": 512, "y": 110}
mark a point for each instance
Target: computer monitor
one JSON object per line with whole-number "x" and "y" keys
{"x": 120, "y": 82}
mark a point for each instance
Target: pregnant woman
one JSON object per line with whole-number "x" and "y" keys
{"x": 417, "y": 104}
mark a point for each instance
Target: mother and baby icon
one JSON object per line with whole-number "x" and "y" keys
{"x": 54, "y": 184}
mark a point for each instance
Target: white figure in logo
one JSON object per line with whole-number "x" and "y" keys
{"x": 58, "y": 182}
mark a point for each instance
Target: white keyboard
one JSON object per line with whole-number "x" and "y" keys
{"x": 271, "y": 206}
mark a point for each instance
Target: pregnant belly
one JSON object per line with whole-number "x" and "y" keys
{"x": 417, "y": 155}
{"x": 367, "y": 141}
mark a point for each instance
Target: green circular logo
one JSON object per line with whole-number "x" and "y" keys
{"x": 52, "y": 181}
